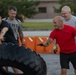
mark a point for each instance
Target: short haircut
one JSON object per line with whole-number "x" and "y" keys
{"x": 59, "y": 18}
{"x": 66, "y": 8}
{"x": 12, "y": 8}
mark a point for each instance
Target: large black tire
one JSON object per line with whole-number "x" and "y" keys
{"x": 24, "y": 59}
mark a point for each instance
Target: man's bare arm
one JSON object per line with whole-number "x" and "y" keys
{"x": 47, "y": 43}
{"x": 22, "y": 38}
{"x": 3, "y": 32}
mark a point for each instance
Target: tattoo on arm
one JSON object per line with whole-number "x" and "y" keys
{"x": 49, "y": 41}
{"x": 4, "y": 30}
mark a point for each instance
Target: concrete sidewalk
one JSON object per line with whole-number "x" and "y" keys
{"x": 53, "y": 64}
{"x": 36, "y": 33}
{"x": 38, "y": 20}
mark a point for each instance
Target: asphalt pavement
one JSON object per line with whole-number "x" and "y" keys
{"x": 53, "y": 64}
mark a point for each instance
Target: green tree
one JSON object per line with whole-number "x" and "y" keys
{"x": 70, "y": 3}
{"x": 25, "y": 7}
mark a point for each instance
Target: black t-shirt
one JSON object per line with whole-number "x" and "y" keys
{"x": 9, "y": 36}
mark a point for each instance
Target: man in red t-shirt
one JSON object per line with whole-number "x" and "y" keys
{"x": 64, "y": 35}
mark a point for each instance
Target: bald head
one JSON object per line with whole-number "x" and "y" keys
{"x": 58, "y": 22}
{"x": 58, "y": 18}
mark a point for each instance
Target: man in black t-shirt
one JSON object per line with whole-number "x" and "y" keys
{"x": 6, "y": 33}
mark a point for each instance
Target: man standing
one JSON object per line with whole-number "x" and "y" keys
{"x": 68, "y": 18}
{"x": 64, "y": 35}
{"x": 15, "y": 23}
{"x": 6, "y": 33}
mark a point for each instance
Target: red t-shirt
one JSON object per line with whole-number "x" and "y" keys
{"x": 65, "y": 38}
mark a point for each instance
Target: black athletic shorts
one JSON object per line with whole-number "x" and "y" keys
{"x": 66, "y": 58}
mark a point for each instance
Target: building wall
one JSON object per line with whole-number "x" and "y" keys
{"x": 49, "y": 4}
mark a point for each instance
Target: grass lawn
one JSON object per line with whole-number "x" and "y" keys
{"x": 38, "y": 25}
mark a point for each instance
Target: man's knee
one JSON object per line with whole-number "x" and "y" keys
{"x": 63, "y": 71}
